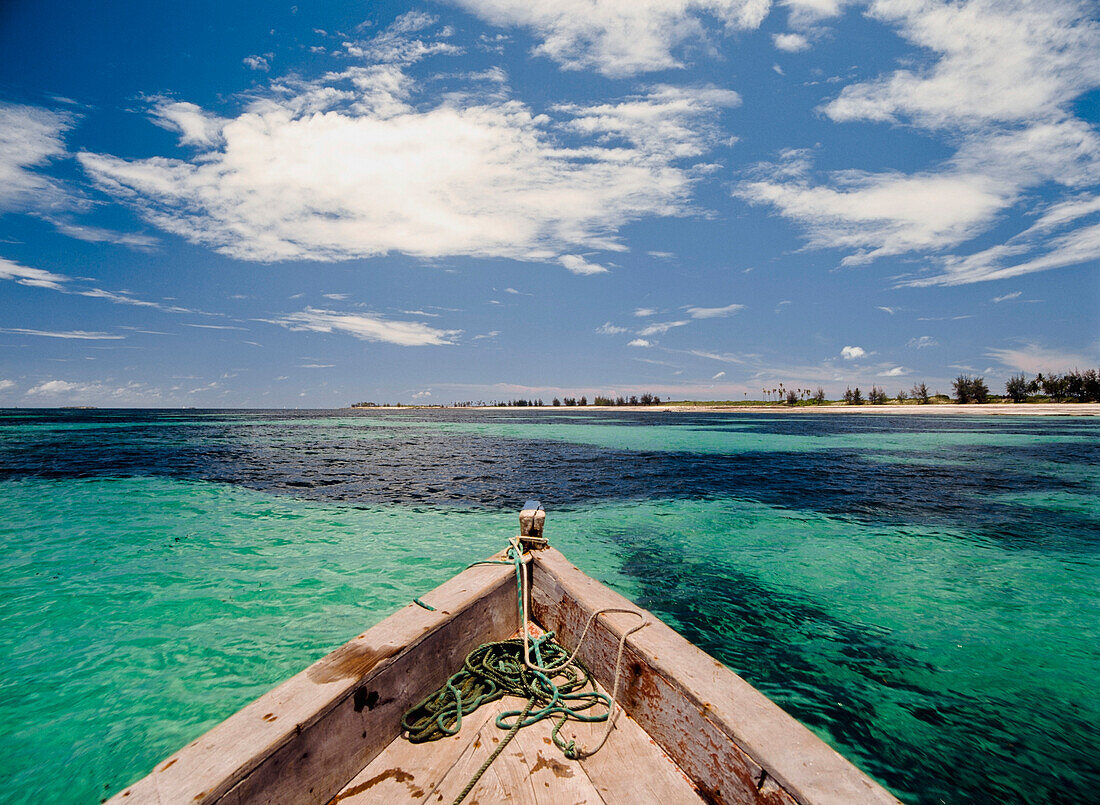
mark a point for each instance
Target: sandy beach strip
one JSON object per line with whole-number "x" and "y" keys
{"x": 938, "y": 409}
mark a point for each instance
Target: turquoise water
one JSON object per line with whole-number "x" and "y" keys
{"x": 922, "y": 594}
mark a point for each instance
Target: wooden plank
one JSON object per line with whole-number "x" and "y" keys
{"x": 719, "y": 729}
{"x": 631, "y": 767}
{"x": 553, "y": 778}
{"x": 410, "y": 772}
{"x": 303, "y": 740}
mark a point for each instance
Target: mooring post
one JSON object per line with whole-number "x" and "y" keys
{"x": 531, "y": 520}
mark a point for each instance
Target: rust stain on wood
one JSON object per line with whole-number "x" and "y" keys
{"x": 398, "y": 775}
{"x": 350, "y": 661}
{"x": 560, "y": 769}
{"x": 269, "y": 717}
{"x": 168, "y": 764}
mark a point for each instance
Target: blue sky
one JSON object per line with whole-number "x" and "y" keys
{"x": 251, "y": 204}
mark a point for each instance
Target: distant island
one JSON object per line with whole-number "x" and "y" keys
{"x": 1070, "y": 387}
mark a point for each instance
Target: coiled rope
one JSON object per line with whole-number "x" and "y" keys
{"x": 555, "y": 683}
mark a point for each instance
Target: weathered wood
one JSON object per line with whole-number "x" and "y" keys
{"x": 302, "y": 741}
{"x": 719, "y": 729}
{"x": 630, "y": 769}
{"x": 411, "y": 772}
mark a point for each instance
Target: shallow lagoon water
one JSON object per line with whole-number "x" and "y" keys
{"x": 921, "y": 592}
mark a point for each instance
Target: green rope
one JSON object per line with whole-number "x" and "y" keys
{"x": 494, "y": 670}
{"x": 496, "y": 752}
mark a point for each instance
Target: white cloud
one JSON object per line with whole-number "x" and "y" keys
{"x": 645, "y": 311}
{"x": 714, "y": 312}
{"x": 31, "y": 137}
{"x": 1033, "y": 358}
{"x": 79, "y": 335}
{"x": 1006, "y": 297}
{"x": 422, "y": 394}
{"x": 897, "y": 371}
{"x": 33, "y": 277}
{"x": 259, "y": 63}
{"x": 996, "y": 61}
{"x": 721, "y": 357}
{"x": 53, "y": 387}
{"x": 607, "y": 328}
{"x": 618, "y": 37}
{"x": 884, "y": 309}
{"x": 5, "y": 385}
{"x": 881, "y": 214}
{"x": 317, "y": 366}
{"x": 720, "y": 374}
{"x": 336, "y": 297}
{"x": 39, "y": 278}
{"x": 667, "y": 120}
{"x": 578, "y": 265}
{"x": 661, "y": 327}
{"x": 996, "y": 81}
{"x": 852, "y": 353}
{"x": 106, "y": 392}
{"x": 368, "y": 168}
{"x": 368, "y": 327}
{"x": 640, "y": 342}
{"x": 923, "y": 341}
{"x": 791, "y": 43}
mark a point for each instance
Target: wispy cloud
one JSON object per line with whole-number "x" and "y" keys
{"x": 49, "y": 280}
{"x": 1006, "y": 297}
{"x": 923, "y": 341}
{"x": 607, "y": 328}
{"x": 645, "y": 311}
{"x": 999, "y": 89}
{"x": 659, "y": 328}
{"x": 618, "y": 37}
{"x": 713, "y": 312}
{"x": 720, "y": 374}
{"x": 368, "y": 327}
{"x": 78, "y": 335}
{"x": 1033, "y": 358}
{"x": 578, "y": 265}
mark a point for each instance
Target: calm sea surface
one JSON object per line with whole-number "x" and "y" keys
{"x": 922, "y": 592}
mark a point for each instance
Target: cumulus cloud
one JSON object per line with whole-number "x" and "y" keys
{"x": 366, "y": 167}
{"x": 852, "y": 353}
{"x": 259, "y": 63}
{"x": 618, "y": 37}
{"x": 713, "y": 312}
{"x": 640, "y": 342}
{"x": 368, "y": 327}
{"x": 791, "y": 43}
